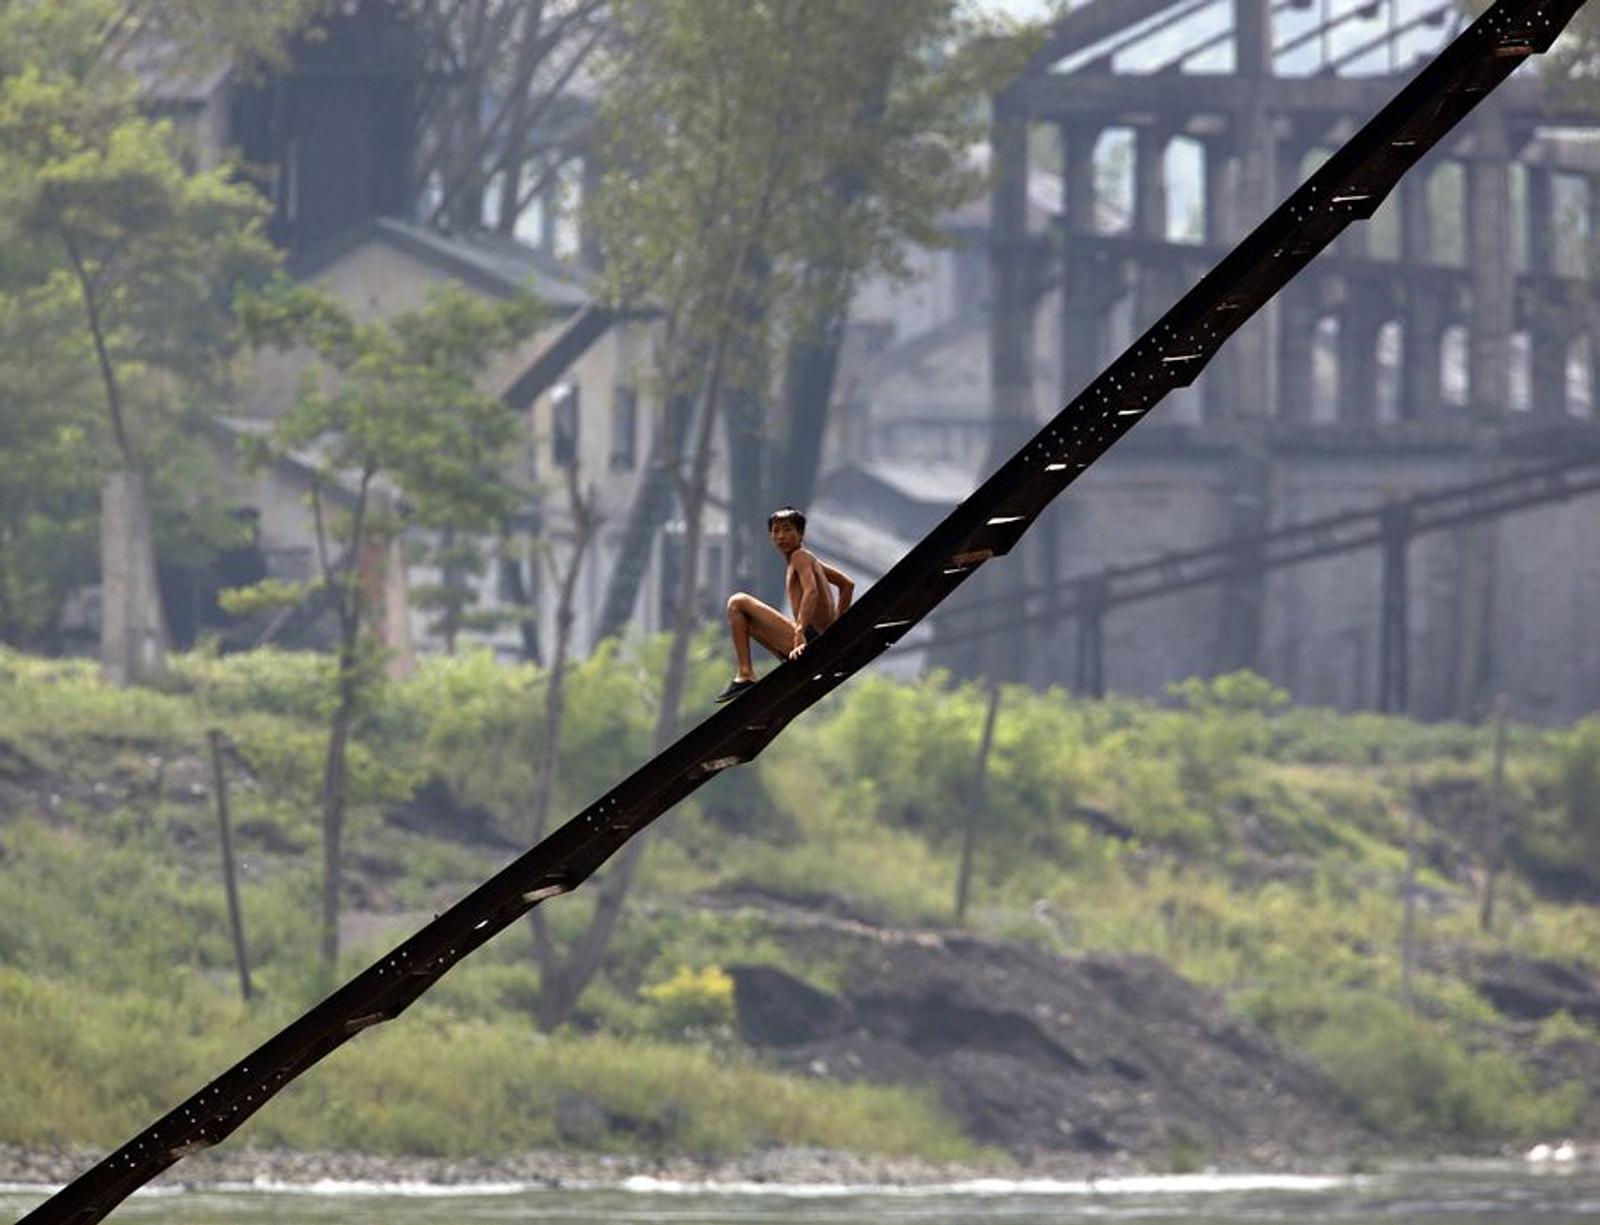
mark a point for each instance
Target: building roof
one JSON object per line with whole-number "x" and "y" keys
{"x": 301, "y": 465}
{"x": 489, "y": 262}
{"x": 863, "y": 548}
{"x": 931, "y": 481}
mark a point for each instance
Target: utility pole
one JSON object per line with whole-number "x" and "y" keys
{"x": 978, "y": 803}
{"x": 1393, "y": 661}
{"x": 1408, "y": 919}
{"x": 229, "y": 885}
{"x": 1496, "y": 848}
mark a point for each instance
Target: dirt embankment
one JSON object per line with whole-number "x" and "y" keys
{"x": 1046, "y": 1056}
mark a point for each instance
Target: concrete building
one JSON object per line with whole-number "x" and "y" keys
{"x": 1446, "y": 341}
{"x": 580, "y": 385}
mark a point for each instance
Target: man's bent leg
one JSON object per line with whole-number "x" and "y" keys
{"x": 749, "y": 618}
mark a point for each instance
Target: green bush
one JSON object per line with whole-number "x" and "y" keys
{"x": 1410, "y": 1077}
{"x": 293, "y": 684}
{"x": 691, "y": 1003}
{"x": 1579, "y": 780}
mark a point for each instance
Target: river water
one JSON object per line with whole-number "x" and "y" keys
{"x": 1480, "y": 1194}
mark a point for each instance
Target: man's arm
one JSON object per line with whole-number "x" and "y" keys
{"x": 842, "y": 582}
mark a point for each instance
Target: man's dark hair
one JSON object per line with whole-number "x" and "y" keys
{"x": 788, "y": 514}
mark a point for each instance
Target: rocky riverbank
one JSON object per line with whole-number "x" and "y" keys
{"x": 55, "y": 1167}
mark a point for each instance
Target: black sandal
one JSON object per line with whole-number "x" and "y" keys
{"x": 734, "y": 689}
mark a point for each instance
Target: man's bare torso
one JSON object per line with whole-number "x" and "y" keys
{"x": 823, "y": 616}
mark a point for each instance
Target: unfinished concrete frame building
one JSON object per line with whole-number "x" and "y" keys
{"x": 1448, "y": 340}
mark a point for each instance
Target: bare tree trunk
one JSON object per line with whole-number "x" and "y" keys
{"x": 560, "y": 997}
{"x": 348, "y": 604}
{"x": 652, "y": 498}
{"x": 584, "y": 963}
{"x": 333, "y": 795}
{"x": 133, "y": 628}
{"x": 808, "y": 390}
{"x": 650, "y": 508}
{"x": 586, "y": 523}
{"x": 810, "y": 366}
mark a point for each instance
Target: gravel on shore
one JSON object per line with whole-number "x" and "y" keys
{"x": 244, "y": 1165}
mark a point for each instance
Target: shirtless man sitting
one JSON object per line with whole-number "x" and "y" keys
{"x": 814, "y": 609}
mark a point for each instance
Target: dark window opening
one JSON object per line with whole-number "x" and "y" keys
{"x": 564, "y": 424}
{"x": 624, "y": 429}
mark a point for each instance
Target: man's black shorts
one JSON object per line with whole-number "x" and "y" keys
{"x": 812, "y": 633}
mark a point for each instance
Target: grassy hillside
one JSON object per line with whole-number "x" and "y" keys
{"x": 1256, "y": 846}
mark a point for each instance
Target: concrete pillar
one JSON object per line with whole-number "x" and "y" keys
{"x": 1297, "y": 317}
{"x": 1297, "y": 301}
{"x": 1422, "y": 310}
{"x": 1416, "y": 221}
{"x": 1153, "y": 285}
{"x": 1250, "y": 350}
{"x": 1011, "y": 319}
{"x": 1242, "y": 613}
{"x": 1540, "y": 221}
{"x": 1252, "y": 24}
{"x": 133, "y": 626}
{"x": 1548, "y": 332}
{"x": 1489, "y": 263}
{"x": 1082, "y": 320}
{"x": 1150, "y": 181}
{"x": 1011, "y": 315}
{"x": 381, "y": 571}
{"x": 1217, "y": 384}
{"x": 1360, "y": 319}
{"x": 1215, "y": 171}
{"x": 1549, "y": 362}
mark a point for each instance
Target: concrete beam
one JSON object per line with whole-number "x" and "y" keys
{"x": 1060, "y": 96}
{"x": 1089, "y": 24}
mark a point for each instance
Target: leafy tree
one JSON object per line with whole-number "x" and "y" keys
{"x": 461, "y": 560}
{"x": 763, "y": 156}
{"x": 113, "y": 313}
{"x": 860, "y": 116}
{"x": 48, "y": 450}
{"x": 142, "y": 252}
{"x": 401, "y": 431}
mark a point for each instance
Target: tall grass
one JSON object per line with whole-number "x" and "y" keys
{"x": 1255, "y": 846}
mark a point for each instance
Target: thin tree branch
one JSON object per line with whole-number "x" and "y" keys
{"x": 102, "y": 354}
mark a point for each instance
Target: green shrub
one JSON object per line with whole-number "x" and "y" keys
{"x": 1579, "y": 780}
{"x": 1408, "y": 1076}
{"x": 689, "y": 1004}
{"x": 292, "y": 684}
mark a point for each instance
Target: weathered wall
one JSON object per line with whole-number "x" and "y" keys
{"x": 1506, "y": 606}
